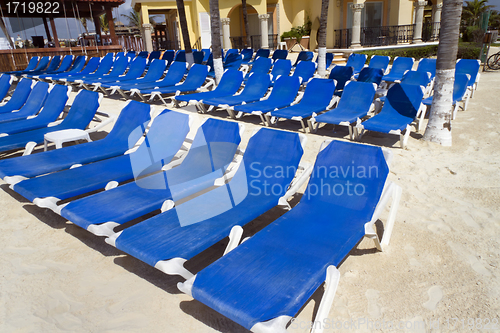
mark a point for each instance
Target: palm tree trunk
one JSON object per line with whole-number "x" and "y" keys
{"x": 245, "y": 21}
{"x": 185, "y": 32}
{"x": 216, "y": 47}
{"x": 6, "y": 33}
{"x": 322, "y": 38}
{"x": 439, "y": 127}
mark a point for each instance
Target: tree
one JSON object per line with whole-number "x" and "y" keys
{"x": 472, "y": 11}
{"x": 83, "y": 20}
{"x": 439, "y": 127}
{"x": 6, "y": 33}
{"x": 185, "y": 32}
{"x": 135, "y": 19}
{"x": 322, "y": 38}
{"x": 245, "y": 21}
{"x": 216, "y": 47}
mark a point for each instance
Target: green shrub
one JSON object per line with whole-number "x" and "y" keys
{"x": 412, "y": 52}
{"x": 468, "y": 51}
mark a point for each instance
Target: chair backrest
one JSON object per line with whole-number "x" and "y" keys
{"x": 304, "y": 56}
{"x": 156, "y": 70}
{"x": 180, "y": 56}
{"x": 120, "y": 65}
{"x": 263, "y": 53}
{"x": 78, "y": 64}
{"x": 261, "y": 65}
{"x": 5, "y": 82}
{"x": 468, "y": 66}
{"x": 65, "y": 63}
{"x": 341, "y": 74}
{"x": 19, "y": 96}
{"x": 357, "y": 95}
{"x": 153, "y": 55}
{"x": 281, "y": 67}
{"x": 198, "y": 57}
{"x": 130, "y": 54}
{"x": 176, "y": 72}
{"x": 233, "y": 61}
{"x": 373, "y": 75}
{"x": 118, "y": 54}
{"x": 32, "y": 64}
{"x": 54, "y": 104}
{"x": 305, "y": 70}
{"x": 54, "y": 63}
{"x": 256, "y": 86}
{"x": 357, "y": 61}
{"x": 143, "y": 54}
{"x": 42, "y": 64}
{"x": 82, "y": 110}
{"x": 427, "y": 65}
{"x": 207, "y": 54}
{"x": 106, "y": 63}
{"x": 247, "y": 55}
{"x": 137, "y": 67}
{"x": 460, "y": 86}
{"x": 168, "y": 55}
{"x": 329, "y": 59}
{"x": 229, "y": 52}
{"x": 92, "y": 66}
{"x": 196, "y": 76}
{"x": 377, "y": 61}
{"x": 279, "y": 54}
{"x": 401, "y": 64}
{"x": 230, "y": 82}
{"x": 417, "y": 78}
{"x": 318, "y": 92}
{"x": 285, "y": 90}
{"x": 403, "y": 99}
{"x": 37, "y": 97}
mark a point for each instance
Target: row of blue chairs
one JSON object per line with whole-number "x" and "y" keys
{"x": 265, "y": 280}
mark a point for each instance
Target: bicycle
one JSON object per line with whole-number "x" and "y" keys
{"x": 494, "y": 61}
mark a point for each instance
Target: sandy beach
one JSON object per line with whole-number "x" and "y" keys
{"x": 439, "y": 274}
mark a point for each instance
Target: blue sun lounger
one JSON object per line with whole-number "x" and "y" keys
{"x": 305, "y": 71}
{"x": 279, "y": 54}
{"x": 226, "y": 56}
{"x": 128, "y": 128}
{"x": 255, "y": 89}
{"x": 402, "y": 107}
{"x": 104, "y": 67}
{"x": 246, "y": 55}
{"x": 41, "y": 65}
{"x": 329, "y": 61}
{"x": 377, "y": 61}
{"x": 341, "y": 74}
{"x": 19, "y": 96}
{"x": 232, "y": 61}
{"x": 31, "y": 66}
{"x": 195, "y": 79}
{"x": 281, "y": 67}
{"x": 167, "y": 240}
{"x": 354, "y": 105}
{"x": 82, "y": 70}
{"x": 411, "y": 77}
{"x": 356, "y": 61}
{"x": 460, "y": 94}
{"x": 264, "y": 282}
{"x": 154, "y": 73}
{"x": 79, "y": 116}
{"x": 75, "y": 67}
{"x": 427, "y": 65}
{"x": 53, "y": 65}
{"x": 51, "y": 107}
{"x": 371, "y": 75}
{"x": 174, "y": 76}
{"x": 162, "y": 142}
{"x": 229, "y": 84}
{"x": 260, "y": 65}
{"x": 63, "y": 67}
{"x": 400, "y": 66}
{"x": 471, "y": 67}
{"x": 304, "y": 56}
{"x": 283, "y": 94}
{"x": 168, "y": 56}
{"x": 317, "y": 98}
{"x": 5, "y": 84}
{"x": 119, "y": 67}
{"x": 213, "y": 149}
{"x": 135, "y": 71}
{"x": 34, "y": 103}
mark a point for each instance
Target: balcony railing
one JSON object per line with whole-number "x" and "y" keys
{"x": 387, "y": 35}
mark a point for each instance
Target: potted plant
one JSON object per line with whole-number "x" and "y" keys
{"x": 298, "y": 35}
{"x": 291, "y": 38}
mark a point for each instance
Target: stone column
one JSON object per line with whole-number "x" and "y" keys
{"x": 264, "y": 38}
{"x": 225, "y": 33}
{"x": 356, "y": 25}
{"x": 419, "y": 20}
{"x": 436, "y": 19}
{"x": 146, "y": 33}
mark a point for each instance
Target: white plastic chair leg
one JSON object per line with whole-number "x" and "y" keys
{"x": 331, "y": 284}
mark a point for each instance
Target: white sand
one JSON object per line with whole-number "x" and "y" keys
{"x": 441, "y": 264}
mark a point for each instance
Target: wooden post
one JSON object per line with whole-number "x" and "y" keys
{"x": 97, "y": 24}
{"x": 46, "y": 26}
{"x": 54, "y": 31}
{"x": 111, "y": 25}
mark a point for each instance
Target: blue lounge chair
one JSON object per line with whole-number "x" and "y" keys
{"x": 412, "y": 78}
{"x": 305, "y": 71}
{"x": 135, "y": 71}
{"x": 154, "y": 73}
{"x": 196, "y": 77}
{"x": 402, "y": 107}
{"x": 104, "y": 67}
{"x": 119, "y": 67}
{"x": 162, "y": 142}
{"x": 174, "y": 76}
{"x": 356, "y": 61}
{"x": 354, "y": 105}
{"x": 400, "y": 66}
{"x": 255, "y": 88}
{"x": 206, "y": 55}
{"x": 77, "y": 66}
{"x": 427, "y": 65}
{"x": 53, "y": 65}
{"x": 79, "y": 116}
{"x": 229, "y": 84}
{"x": 33, "y": 104}
{"x": 31, "y": 66}
{"x": 51, "y": 107}
{"x": 168, "y": 56}
{"x": 304, "y": 56}
{"x": 341, "y": 74}
{"x": 283, "y": 94}
{"x": 198, "y": 57}
{"x": 212, "y": 151}
{"x": 130, "y": 55}
{"x": 179, "y": 234}
{"x": 265, "y": 53}
{"x": 232, "y": 61}
{"x": 281, "y": 67}
{"x": 143, "y": 54}
{"x": 260, "y": 65}
{"x": 279, "y": 54}
{"x": 264, "y": 282}
{"x": 371, "y": 75}
{"x": 19, "y": 96}
{"x": 247, "y": 55}
{"x": 63, "y": 67}
{"x": 180, "y": 56}
{"x": 229, "y": 52}
{"x": 317, "y": 98}
{"x": 460, "y": 87}
{"x": 128, "y": 128}
{"x": 5, "y": 84}
{"x": 42, "y": 64}
{"x": 471, "y": 67}
{"x": 377, "y": 61}
{"x": 90, "y": 67}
